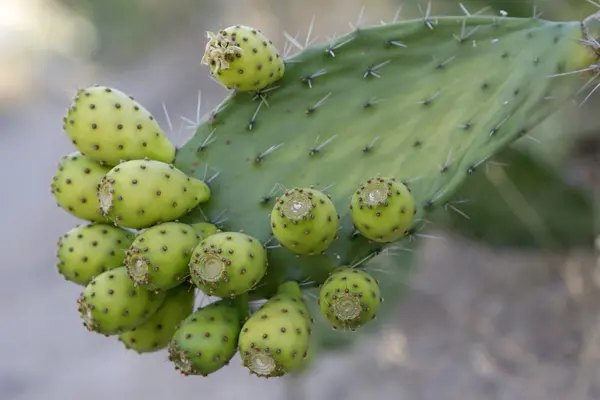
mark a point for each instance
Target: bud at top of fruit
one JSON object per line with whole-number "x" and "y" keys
{"x": 242, "y": 58}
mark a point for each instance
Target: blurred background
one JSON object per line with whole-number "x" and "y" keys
{"x": 503, "y": 305}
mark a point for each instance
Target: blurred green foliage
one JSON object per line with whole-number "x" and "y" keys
{"x": 130, "y": 29}
{"x": 522, "y": 203}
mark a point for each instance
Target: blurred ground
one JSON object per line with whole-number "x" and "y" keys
{"x": 477, "y": 324}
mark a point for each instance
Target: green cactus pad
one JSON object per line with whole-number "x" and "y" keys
{"x": 74, "y": 186}
{"x": 206, "y": 340}
{"x": 156, "y": 332}
{"x": 140, "y": 193}
{"x": 110, "y": 304}
{"x": 158, "y": 258}
{"x": 110, "y": 126}
{"x": 382, "y": 209}
{"x": 349, "y": 298}
{"x": 426, "y": 101}
{"x": 228, "y": 264}
{"x": 89, "y": 250}
{"x": 242, "y": 58}
{"x": 275, "y": 339}
{"x": 304, "y": 220}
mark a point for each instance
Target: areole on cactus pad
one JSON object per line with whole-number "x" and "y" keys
{"x": 425, "y": 102}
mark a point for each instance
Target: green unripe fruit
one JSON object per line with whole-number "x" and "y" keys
{"x": 140, "y": 193}
{"x": 349, "y": 298}
{"x": 304, "y": 220}
{"x": 110, "y": 304}
{"x": 206, "y": 340}
{"x": 110, "y": 126}
{"x": 89, "y": 250}
{"x": 228, "y": 264}
{"x": 158, "y": 258}
{"x": 275, "y": 340}
{"x": 205, "y": 229}
{"x": 383, "y": 209}
{"x": 156, "y": 332}
{"x": 242, "y": 58}
{"x": 74, "y": 186}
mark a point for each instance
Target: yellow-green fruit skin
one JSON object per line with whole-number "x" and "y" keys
{"x": 242, "y": 58}
{"x": 74, "y": 186}
{"x": 156, "y": 332}
{"x": 305, "y": 221}
{"x": 206, "y": 340}
{"x": 275, "y": 340}
{"x": 349, "y": 298}
{"x": 228, "y": 264}
{"x": 111, "y": 304}
{"x": 205, "y": 229}
{"x": 89, "y": 250}
{"x": 138, "y": 194}
{"x": 158, "y": 258}
{"x": 109, "y": 126}
{"x": 383, "y": 209}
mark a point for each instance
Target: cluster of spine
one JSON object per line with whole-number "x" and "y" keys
{"x": 143, "y": 255}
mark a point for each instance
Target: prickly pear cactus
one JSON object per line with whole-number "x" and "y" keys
{"x": 425, "y": 102}
{"x": 228, "y": 264}
{"x": 111, "y": 304}
{"x": 109, "y": 126}
{"x": 74, "y": 186}
{"x": 349, "y": 298}
{"x": 275, "y": 339}
{"x": 242, "y": 58}
{"x": 140, "y": 193}
{"x": 89, "y": 250}
{"x": 158, "y": 258}
{"x": 156, "y": 332}
{"x": 206, "y": 340}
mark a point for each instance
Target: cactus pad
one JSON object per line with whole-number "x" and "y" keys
{"x": 228, "y": 264}
{"x": 349, "y": 298}
{"x": 140, "y": 193}
{"x": 242, "y": 58}
{"x": 89, "y": 250}
{"x": 424, "y": 101}
{"x": 74, "y": 186}
{"x": 109, "y": 126}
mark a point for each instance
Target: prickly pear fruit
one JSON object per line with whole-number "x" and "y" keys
{"x": 156, "y": 332}
{"x": 349, "y": 298}
{"x": 74, "y": 186}
{"x": 382, "y": 209}
{"x": 158, "y": 257}
{"x": 275, "y": 339}
{"x": 228, "y": 264}
{"x": 205, "y": 229}
{"x": 110, "y": 304}
{"x": 140, "y": 193}
{"x": 242, "y": 58}
{"x": 89, "y": 250}
{"x": 109, "y": 126}
{"x": 206, "y": 340}
{"x": 304, "y": 220}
